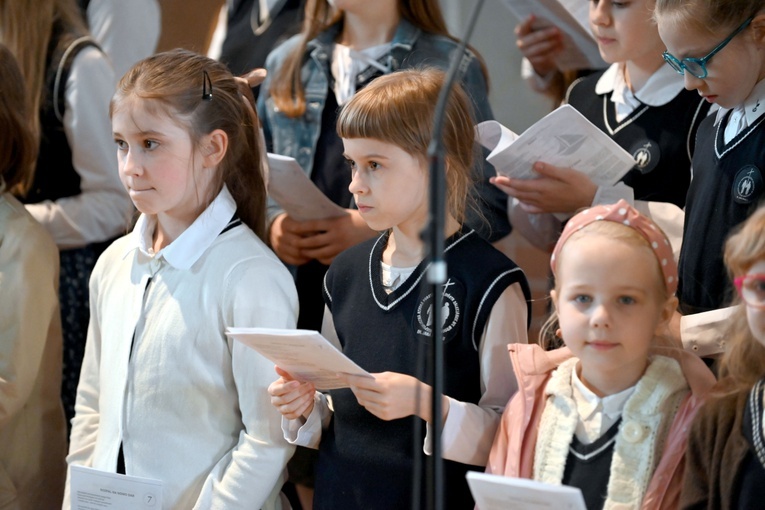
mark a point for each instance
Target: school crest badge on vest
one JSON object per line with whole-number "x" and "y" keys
{"x": 747, "y": 185}
{"x": 451, "y": 309}
{"x": 646, "y": 155}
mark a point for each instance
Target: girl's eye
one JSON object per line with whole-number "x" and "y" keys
{"x": 351, "y": 164}
{"x": 582, "y": 299}
{"x": 627, "y": 300}
{"x": 373, "y": 165}
{"x": 150, "y": 144}
{"x": 121, "y": 145}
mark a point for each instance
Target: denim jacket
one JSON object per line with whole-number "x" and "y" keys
{"x": 411, "y": 47}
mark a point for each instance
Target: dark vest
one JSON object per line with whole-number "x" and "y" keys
{"x": 660, "y": 138}
{"x": 588, "y": 467}
{"x": 726, "y": 189}
{"x": 365, "y": 462}
{"x": 55, "y": 176}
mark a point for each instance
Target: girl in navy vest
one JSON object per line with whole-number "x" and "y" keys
{"x": 378, "y": 308}
{"x": 639, "y": 103}
{"x": 719, "y": 47}
{"x": 726, "y": 458}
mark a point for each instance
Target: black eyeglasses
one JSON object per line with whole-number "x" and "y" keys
{"x": 698, "y": 66}
{"x": 206, "y": 87}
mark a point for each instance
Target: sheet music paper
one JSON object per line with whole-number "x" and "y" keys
{"x": 294, "y": 191}
{"x": 563, "y": 137}
{"x": 494, "y": 492}
{"x": 305, "y": 354}
{"x": 572, "y": 18}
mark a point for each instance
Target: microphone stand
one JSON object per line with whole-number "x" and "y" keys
{"x": 437, "y": 271}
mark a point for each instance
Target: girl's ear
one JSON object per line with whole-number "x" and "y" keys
{"x": 214, "y": 146}
{"x": 554, "y": 299}
{"x": 667, "y": 312}
{"x": 758, "y": 29}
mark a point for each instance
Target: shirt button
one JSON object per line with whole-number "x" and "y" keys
{"x": 632, "y": 432}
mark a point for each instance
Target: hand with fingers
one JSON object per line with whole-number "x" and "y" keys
{"x": 390, "y": 395}
{"x": 540, "y": 45}
{"x": 297, "y": 242}
{"x": 293, "y": 399}
{"x": 556, "y": 190}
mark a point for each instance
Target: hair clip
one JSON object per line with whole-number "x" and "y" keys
{"x": 206, "y": 87}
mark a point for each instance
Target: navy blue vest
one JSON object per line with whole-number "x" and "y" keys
{"x": 365, "y": 462}
{"x": 55, "y": 176}
{"x": 726, "y": 189}
{"x": 660, "y": 138}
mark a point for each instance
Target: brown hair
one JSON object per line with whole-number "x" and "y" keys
{"x": 287, "y": 87}
{"x": 18, "y": 143}
{"x": 398, "y": 108}
{"x": 26, "y": 28}
{"x": 173, "y": 81}
{"x": 708, "y": 16}
{"x": 744, "y": 360}
{"x": 548, "y": 338}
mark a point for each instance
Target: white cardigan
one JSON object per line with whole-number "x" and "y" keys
{"x": 189, "y": 405}
{"x": 32, "y": 424}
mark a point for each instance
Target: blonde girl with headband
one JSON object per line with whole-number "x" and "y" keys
{"x": 379, "y": 304}
{"x": 719, "y": 48}
{"x": 609, "y": 412}
{"x": 164, "y": 394}
{"x": 726, "y": 460}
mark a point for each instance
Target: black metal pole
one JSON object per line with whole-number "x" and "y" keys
{"x": 437, "y": 271}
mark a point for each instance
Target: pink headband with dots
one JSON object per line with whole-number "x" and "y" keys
{"x": 623, "y": 213}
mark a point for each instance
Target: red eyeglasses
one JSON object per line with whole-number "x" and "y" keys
{"x": 751, "y": 288}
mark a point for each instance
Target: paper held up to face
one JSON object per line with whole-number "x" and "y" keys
{"x": 580, "y": 51}
{"x": 296, "y": 193}
{"x": 564, "y": 137}
{"x": 494, "y": 492}
{"x": 306, "y": 355}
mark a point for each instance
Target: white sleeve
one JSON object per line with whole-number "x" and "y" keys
{"x": 252, "y": 473}
{"x": 704, "y": 333}
{"x": 127, "y": 31}
{"x": 307, "y": 432}
{"x": 469, "y": 429}
{"x": 537, "y": 82}
{"x": 102, "y": 210}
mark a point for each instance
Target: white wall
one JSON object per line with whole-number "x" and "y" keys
{"x": 514, "y": 103}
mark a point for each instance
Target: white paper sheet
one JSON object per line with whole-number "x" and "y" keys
{"x": 296, "y": 193}
{"x": 563, "y": 137}
{"x": 91, "y": 489}
{"x": 493, "y": 492}
{"x": 305, "y": 354}
{"x": 580, "y": 51}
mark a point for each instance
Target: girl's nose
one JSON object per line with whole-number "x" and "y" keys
{"x": 129, "y": 164}
{"x": 600, "y": 318}
{"x": 357, "y": 185}
{"x": 600, "y": 13}
{"x": 691, "y": 82}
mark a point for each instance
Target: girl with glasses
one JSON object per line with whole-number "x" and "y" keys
{"x": 719, "y": 48}
{"x": 725, "y": 457}
{"x": 642, "y": 105}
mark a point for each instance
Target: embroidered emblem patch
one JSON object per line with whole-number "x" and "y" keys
{"x": 450, "y": 308}
{"x": 747, "y": 185}
{"x": 646, "y": 154}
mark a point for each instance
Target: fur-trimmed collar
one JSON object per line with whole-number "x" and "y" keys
{"x": 646, "y": 418}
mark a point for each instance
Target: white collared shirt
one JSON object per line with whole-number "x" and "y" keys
{"x": 195, "y": 240}
{"x": 596, "y": 414}
{"x": 661, "y": 88}
{"x": 744, "y": 115}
